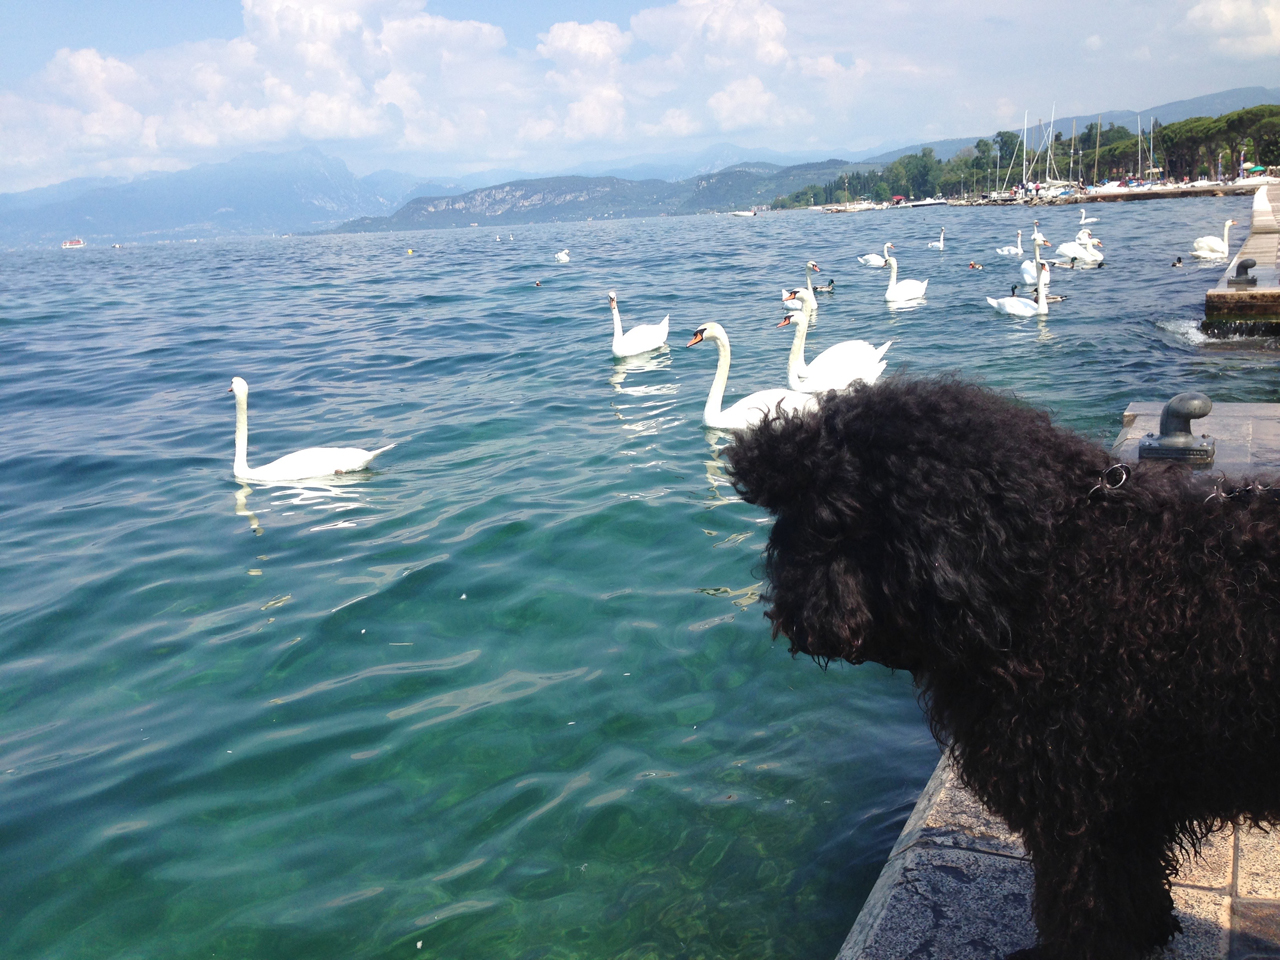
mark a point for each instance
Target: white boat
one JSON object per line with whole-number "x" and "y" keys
{"x": 74, "y": 244}
{"x": 743, "y": 213}
{"x": 929, "y": 202}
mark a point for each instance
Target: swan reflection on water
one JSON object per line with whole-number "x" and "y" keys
{"x": 646, "y": 363}
{"x": 653, "y": 401}
{"x": 718, "y": 482}
{"x": 298, "y": 496}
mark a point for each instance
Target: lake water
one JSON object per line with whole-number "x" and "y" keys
{"x": 510, "y": 695}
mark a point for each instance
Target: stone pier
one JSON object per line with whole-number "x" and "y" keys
{"x": 1234, "y": 310}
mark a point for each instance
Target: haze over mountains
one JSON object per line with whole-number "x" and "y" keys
{"x": 307, "y": 191}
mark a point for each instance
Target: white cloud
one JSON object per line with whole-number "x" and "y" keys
{"x": 751, "y": 26}
{"x": 599, "y": 115}
{"x": 673, "y": 123}
{"x": 595, "y": 44}
{"x": 1093, "y": 42}
{"x": 746, "y": 103}
{"x": 1249, "y": 28}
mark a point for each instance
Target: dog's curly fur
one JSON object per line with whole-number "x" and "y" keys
{"x": 1103, "y": 661}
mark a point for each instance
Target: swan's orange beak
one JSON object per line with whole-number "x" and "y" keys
{"x": 816, "y": 268}
{"x": 697, "y": 338}
{"x": 785, "y": 321}
{"x": 789, "y": 296}
{"x": 231, "y": 389}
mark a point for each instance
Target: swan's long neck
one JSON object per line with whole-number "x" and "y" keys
{"x": 1226, "y": 235}
{"x": 893, "y": 271}
{"x": 1019, "y": 243}
{"x": 617, "y": 321}
{"x": 796, "y": 367}
{"x": 886, "y": 250}
{"x": 1042, "y": 288}
{"x": 808, "y": 277}
{"x": 716, "y": 397}
{"x": 241, "y": 465}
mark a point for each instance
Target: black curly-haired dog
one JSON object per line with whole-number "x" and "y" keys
{"x": 1100, "y": 649}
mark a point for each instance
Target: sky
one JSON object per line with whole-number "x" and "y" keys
{"x": 452, "y": 87}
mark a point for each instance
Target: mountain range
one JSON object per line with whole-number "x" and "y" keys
{"x": 580, "y": 198}
{"x": 308, "y": 191}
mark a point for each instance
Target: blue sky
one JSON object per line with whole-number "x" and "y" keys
{"x": 446, "y": 87}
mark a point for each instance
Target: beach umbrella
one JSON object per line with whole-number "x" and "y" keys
{"x": 1257, "y": 169}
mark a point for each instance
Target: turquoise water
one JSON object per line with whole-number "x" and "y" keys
{"x": 511, "y": 694}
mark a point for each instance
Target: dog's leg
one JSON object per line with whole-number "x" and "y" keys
{"x": 1103, "y": 895}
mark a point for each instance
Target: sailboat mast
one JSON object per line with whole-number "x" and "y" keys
{"x": 1024, "y": 147}
{"x": 1097, "y": 143}
{"x": 1139, "y": 170}
{"x": 1071, "y": 169}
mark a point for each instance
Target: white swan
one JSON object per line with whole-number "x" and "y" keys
{"x": 1211, "y": 248}
{"x": 937, "y": 244}
{"x": 309, "y": 464}
{"x": 810, "y": 268}
{"x": 1031, "y": 269}
{"x": 642, "y": 338}
{"x": 562, "y": 256}
{"x": 900, "y": 290}
{"x": 1011, "y": 251}
{"x": 1084, "y": 219}
{"x": 750, "y": 410}
{"x": 1081, "y": 249}
{"x": 875, "y": 259}
{"x": 1036, "y": 234}
{"x": 1017, "y": 306}
{"x": 834, "y": 368}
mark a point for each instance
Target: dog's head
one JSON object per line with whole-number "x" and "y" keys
{"x": 911, "y": 516}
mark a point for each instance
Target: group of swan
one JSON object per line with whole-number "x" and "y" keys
{"x": 1080, "y": 251}
{"x": 312, "y": 463}
{"x": 834, "y": 368}
{"x": 1210, "y": 247}
{"x": 642, "y": 338}
{"x": 1016, "y": 306}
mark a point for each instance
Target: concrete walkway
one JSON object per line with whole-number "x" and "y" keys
{"x": 1251, "y": 311}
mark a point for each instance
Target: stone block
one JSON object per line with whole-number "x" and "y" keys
{"x": 935, "y": 903}
{"x": 1258, "y": 864}
{"x": 1255, "y": 930}
{"x": 1206, "y": 925}
{"x": 1212, "y": 870}
{"x": 948, "y": 815}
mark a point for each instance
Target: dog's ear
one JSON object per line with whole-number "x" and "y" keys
{"x": 773, "y": 462}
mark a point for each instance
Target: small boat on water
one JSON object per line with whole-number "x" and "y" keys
{"x": 743, "y": 213}
{"x": 927, "y": 202}
{"x": 74, "y": 244}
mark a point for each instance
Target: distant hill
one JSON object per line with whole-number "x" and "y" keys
{"x": 258, "y": 193}
{"x": 579, "y": 198}
{"x": 1210, "y": 105}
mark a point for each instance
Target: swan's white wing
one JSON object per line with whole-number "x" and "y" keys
{"x": 313, "y": 463}
{"x": 641, "y": 338}
{"x": 838, "y": 366}
{"x": 750, "y": 410}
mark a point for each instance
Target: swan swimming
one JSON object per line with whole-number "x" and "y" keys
{"x": 1031, "y": 269}
{"x": 1084, "y": 219}
{"x": 1210, "y": 247}
{"x": 1011, "y": 251}
{"x": 310, "y": 464}
{"x": 900, "y": 290}
{"x": 834, "y": 368}
{"x": 642, "y": 338}
{"x": 937, "y": 244}
{"x": 875, "y": 259}
{"x": 751, "y": 409}
{"x": 1017, "y": 306}
{"x": 562, "y": 256}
